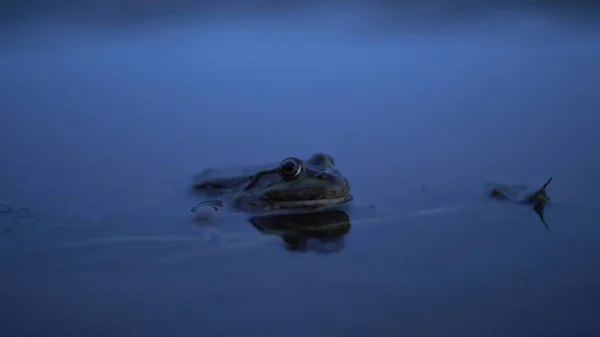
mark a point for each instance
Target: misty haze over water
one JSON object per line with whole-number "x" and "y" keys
{"x": 108, "y": 108}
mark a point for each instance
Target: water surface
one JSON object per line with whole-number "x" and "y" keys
{"x": 102, "y": 129}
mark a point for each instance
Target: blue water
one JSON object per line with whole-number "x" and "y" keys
{"x": 101, "y": 131}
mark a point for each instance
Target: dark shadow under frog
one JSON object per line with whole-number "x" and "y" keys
{"x": 321, "y": 231}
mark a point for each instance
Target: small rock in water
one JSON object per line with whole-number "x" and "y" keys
{"x": 207, "y": 210}
{"x": 206, "y": 214}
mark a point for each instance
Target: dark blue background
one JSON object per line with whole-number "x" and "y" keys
{"x": 102, "y": 125}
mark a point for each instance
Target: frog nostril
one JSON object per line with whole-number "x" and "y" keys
{"x": 322, "y": 176}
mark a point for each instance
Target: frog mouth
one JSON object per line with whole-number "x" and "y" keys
{"x": 308, "y": 195}
{"x": 312, "y": 204}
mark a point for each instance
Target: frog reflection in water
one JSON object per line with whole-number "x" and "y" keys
{"x": 321, "y": 231}
{"x": 292, "y": 185}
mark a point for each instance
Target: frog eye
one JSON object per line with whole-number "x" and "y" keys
{"x": 290, "y": 168}
{"x": 331, "y": 161}
{"x": 322, "y": 160}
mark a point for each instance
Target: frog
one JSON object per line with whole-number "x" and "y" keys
{"x": 537, "y": 200}
{"x": 292, "y": 185}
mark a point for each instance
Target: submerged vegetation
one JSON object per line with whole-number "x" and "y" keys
{"x": 537, "y": 200}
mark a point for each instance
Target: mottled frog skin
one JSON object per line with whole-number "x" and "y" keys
{"x": 293, "y": 184}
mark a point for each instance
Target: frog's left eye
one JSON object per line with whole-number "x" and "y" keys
{"x": 290, "y": 168}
